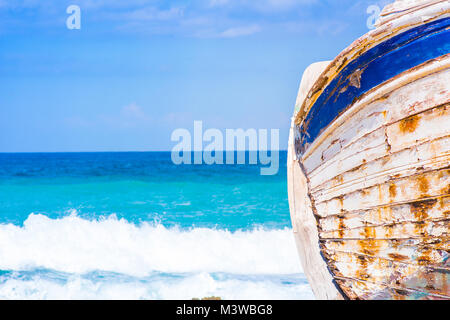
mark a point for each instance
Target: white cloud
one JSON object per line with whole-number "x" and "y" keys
{"x": 240, "y": 31}
{"x": 218, "y": 3}
{"x": 261, "y": 5}
{"x": 151, "y": 13}
{"x": 133, "y": 112}
{"x": 194, "y": 18}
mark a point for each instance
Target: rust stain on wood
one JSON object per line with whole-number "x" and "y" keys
{"x": 423, "y": 184}
{"x": 398, "y": 257}
{"x": 392, "y": 190}
{"x": 432, "y": 209}
{"x": 409, "y": 125}
{"x": 420, "y": 208}
{"x": 341, "y": 226}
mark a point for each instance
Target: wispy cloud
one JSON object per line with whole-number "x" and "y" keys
{"x": 130, "y": 116}
{"x": 148, "y": 14}
{"x": 261, "y": 5}
{"x": 240, "y": 31}
{"x": 194, "y": 18}
{"x": 134, "y": 112}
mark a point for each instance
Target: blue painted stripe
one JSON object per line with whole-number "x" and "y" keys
{"x": 379, "y": 64}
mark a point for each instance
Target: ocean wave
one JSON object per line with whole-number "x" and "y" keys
{"x": 75, "y": 245}
{"x": 40, "y": 285}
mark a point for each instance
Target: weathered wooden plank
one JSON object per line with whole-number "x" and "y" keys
{"x": 400, "y": 97}
{"x": 418, "y": 128}
{"x": 384, "y": 249}
{"x": 357, "y": 48}
{"x": 374, "y": 165}
{"x": 403, "y": 247}
{"x": 308, "y": 79}
{"x": 420, "y": 158}
{"x": 381, "y": 112}
{"x": 307, "y": 237}
{"x": 402, "y": 8}
{"x": 304, "y": 223}
{"x": 387, "y": 141}
{"x": 370, "y": 148}
{"x": 417, "y": 211}
{"x": 405, "y": 230}
{"x": 389, "y": 273}
{"x": 365, "y": 290}
{"x": 358, "y": 289}
{"x": 385, "y": 169}
{"x": 418, "y": 187}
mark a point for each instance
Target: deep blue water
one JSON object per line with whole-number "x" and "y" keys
{"x": 141, "y": 186}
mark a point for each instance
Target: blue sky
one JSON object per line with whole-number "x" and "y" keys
{"x": 139, "y": 69}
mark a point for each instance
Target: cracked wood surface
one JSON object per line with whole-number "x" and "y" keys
{"x": 304, "y": 223}
{"x": 376, "y": 182}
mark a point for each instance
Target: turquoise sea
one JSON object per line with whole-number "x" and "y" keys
{"x": 135, "y": 226}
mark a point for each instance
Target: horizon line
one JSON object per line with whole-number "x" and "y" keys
{"x": 137, "y": 151}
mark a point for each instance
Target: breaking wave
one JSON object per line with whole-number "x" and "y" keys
{"x": 75, "y": 258}
{"x": 75, "y": 245}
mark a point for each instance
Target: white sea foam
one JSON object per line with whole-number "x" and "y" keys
{"x": 193, "y": 286}
{"x": 75, "y": 245}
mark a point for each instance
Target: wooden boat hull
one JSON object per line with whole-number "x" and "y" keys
{"x": 369, "y": 162}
